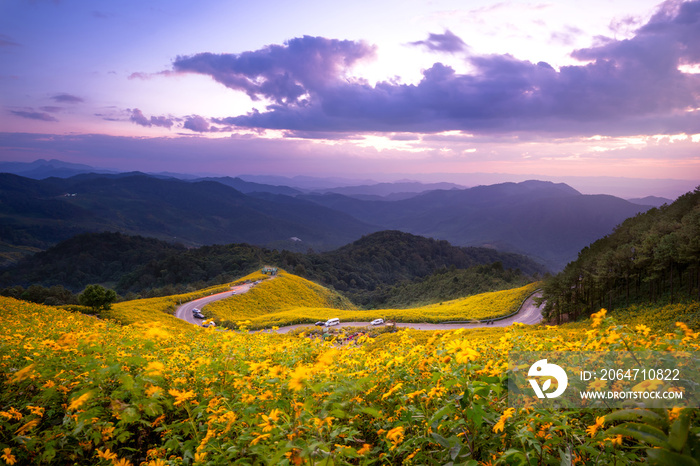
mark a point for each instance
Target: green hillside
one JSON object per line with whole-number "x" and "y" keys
{"x": 652, "y": 257}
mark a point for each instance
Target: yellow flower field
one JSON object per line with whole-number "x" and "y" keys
{"x": 289, "y": 300}
{"x": 81, "y": 390}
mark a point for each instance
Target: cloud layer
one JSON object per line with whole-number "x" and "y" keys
{"x": 622, "y": 86}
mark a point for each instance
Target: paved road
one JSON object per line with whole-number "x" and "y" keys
{"x": 184, "y": 312}
{"x": 529, "y": 314}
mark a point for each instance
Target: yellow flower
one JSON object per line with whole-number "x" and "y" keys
{"x": 181, "y": 395}
{"x": 153, "y": 390}
{"x": 616, "y": 441}
{"x": 36, "y": 410}
{"x": 648, "y": 385}
{"x": 156, "y": 462}
{"x": 598, "y": 317}
{"x": 296, "y": 382}
{"x": 392, "y": 390}
{"x": 599, "y": 421}
{"x": 643, "y": 329}
{"x": 395, "y": 435}
{"x": 78, "y": 402}
{"x": 8, "y": 456}
{"x": 674, "y": 413}
{"x": 259, "y": 438}
{"x": 106, "y": 455}
{"x": 22, "y": 374}
{"x": 154, "y": 369}
{"x": 268, "y": 425}
{"x": 597, "y": 385}
{"x": 501, "y": 424}
{"x": 27, "y": 427}
{"x": 366, "y": 448}
{"x": 121, "y": 462}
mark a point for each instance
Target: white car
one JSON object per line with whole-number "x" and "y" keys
{"x": 377, "y": 322}
{"x": 334, "y": 321}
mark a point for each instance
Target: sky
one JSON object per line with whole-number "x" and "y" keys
{"x": 373, "y": 89}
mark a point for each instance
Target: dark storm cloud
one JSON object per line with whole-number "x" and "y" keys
{"x": 140, "y": 119}
{"x": 447, "y": 42}
{"x": 32, "y": 115}
{"x": 67, "y": 99}
{"x": 622, "y": 87}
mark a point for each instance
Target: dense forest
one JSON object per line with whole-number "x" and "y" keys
{"x": 650, "y": 257}
{"x": 365, "y": 270}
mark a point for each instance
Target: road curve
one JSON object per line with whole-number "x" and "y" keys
{"x": 529, "y": 314}
{"x": 184, "y": 312}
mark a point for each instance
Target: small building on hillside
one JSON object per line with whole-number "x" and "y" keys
{"x": 267, "y": 270}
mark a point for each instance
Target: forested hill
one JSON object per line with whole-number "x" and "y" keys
{"x": 148, "y": 267}
{"x": 652, "y": 256}
{"x": 41, "y": 213}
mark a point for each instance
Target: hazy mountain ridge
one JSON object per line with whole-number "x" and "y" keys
{"x": 548, "y": 221}
{"x": 38, "y": 213}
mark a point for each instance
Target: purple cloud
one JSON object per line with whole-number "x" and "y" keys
{"x": 624, "y": 87}
{"x": 140, "y": 119}
{"x": 198, "y": 124}
{"x": 447, "y": 42}
{"x": 67, "y": 98}
{"x": 31, "y": 115}
{"x": 282, "y": 73}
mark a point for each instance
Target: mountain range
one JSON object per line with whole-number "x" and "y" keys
{"x": 547, "y": 221}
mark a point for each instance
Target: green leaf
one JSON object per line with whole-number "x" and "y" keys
{"x": 441, "y": 440}
{"x": 678, "y": 433}
{"x": 662, "y": 457}
{"x": 641, "y": 432}
{"x": 372, "y": 412}
{"x": 444, "y": 411}
{"x": 639, "y": 415}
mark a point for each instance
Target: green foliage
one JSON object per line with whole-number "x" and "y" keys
{"x": 363, "y": 270}
{"x": 654, "y": 256}
{"x": 667, "y": 433}
{"x": 446, "y": 284}
{"x": 97, "y": 297}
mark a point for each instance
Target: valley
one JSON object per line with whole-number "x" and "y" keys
{"x": 138, "y": 383}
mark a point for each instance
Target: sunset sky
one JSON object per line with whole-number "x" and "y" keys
{"x": 376, "y": 89}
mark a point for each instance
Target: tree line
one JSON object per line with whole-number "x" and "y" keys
{"x": 652, "y": 257}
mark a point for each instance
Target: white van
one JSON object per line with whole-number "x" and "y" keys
{"x": 330, "y": 322}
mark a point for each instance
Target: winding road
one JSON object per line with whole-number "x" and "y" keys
{"x": 529, "y": 314}
{"x": 184, "y": 312}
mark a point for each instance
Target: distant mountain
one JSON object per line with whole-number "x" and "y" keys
{"x": 41, "y": 169}
{"x": 247, "y": 187}
{"x": 653, "y": 201}
{"x": 40, "y": 213}
{"x": 307, "y": 183}
{"x": 387, "y": 189}
{"x": 547, "y": 221}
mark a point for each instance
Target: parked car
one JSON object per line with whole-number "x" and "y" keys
{"x": 331, "y": 322}
{"x": 320, "y": 323}
{"x": 377, "y": 321}
{"x": 209, "y": 323}
{"x": 197, "y": 315}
